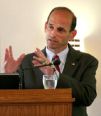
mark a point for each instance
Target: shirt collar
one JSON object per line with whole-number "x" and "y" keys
{"x": 62, "y": 55}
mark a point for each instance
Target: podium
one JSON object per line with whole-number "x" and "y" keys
{"x": 36, "y": 102}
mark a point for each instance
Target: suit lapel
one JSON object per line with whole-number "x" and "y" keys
{"x": 71, "y": 61}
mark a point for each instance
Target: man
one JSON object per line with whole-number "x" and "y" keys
{"x": 77, "y": 69}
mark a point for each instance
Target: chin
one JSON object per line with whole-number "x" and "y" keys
{"x": 51, "y": 47}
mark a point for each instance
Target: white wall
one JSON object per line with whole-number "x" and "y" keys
{"x": 22, "y": 26}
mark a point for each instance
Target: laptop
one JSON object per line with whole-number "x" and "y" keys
{"x": 9, "y": 81}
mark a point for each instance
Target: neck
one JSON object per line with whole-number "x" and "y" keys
{"x": 58, "y": 50}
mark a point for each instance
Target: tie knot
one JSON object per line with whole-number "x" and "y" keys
{"x": 56, "y": 57}
{"x": 57, "y": 62}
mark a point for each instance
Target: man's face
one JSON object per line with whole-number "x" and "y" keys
{"x": 58, "y": 30}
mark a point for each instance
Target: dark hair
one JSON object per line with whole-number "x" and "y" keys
{"x": 73, "y": 25}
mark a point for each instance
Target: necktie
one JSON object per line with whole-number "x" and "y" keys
{"x": 56, "y": 58}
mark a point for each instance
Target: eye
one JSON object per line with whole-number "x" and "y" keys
{"x": 50, "y": 27}
{"x": 60, "y": 29}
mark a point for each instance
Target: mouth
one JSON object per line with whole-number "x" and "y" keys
{"x": 52, "y": 40}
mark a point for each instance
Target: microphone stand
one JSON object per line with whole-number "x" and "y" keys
{"x": 21, "y": 78}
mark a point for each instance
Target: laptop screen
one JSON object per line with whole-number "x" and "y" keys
{"x": 9, "y": 81}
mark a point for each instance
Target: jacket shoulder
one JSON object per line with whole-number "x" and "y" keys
{"x": 27, "y": 61}
{"x": 82, "y": 56}
{"x": 87, "y": 58}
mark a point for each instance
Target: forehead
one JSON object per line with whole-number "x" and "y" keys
{"x": 62, "y": 18}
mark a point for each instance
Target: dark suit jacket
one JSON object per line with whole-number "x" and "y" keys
{"x": 78, "y": 74}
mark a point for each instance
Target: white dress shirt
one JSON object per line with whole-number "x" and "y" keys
{"x": 62, "y": 55}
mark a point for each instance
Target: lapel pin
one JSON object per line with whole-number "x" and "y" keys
{"x": 73, "y": 63}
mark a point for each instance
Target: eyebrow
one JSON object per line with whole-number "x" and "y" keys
{"x": 59, "y": 26}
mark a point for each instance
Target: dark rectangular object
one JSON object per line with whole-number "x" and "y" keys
{"x": 9, "y": 81}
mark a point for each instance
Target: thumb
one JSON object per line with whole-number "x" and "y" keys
{"x": 20, "y": 58}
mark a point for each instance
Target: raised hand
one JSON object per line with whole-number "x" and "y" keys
{"x": 41, "y": 59}
{"x": 11, "y": 65}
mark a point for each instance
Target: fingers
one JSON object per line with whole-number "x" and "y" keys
{"x": 8, "y": 53}
{"x": 21, "y": 57}
{"x": 39, "y": 53}
{"x": 39, "y": 58}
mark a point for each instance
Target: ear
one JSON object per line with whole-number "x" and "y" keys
{"x": 45, "y": 26}
{"x": 72, "y": 34}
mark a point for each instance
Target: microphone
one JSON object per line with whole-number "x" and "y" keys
{"x": 54, "y": 62}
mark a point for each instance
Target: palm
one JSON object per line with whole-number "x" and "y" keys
{"x": 11, "y": 64}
